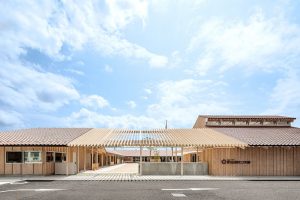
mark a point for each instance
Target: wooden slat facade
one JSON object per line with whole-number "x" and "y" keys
{"x": 264, "y": 161}
{"x": 44, "y": 168}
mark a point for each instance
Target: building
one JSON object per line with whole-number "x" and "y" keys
{"x": 273, "y": 146}
{"x": 45, "y": 151}
{"x": 216, "y": 145}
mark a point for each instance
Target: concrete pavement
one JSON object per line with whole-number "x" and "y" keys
{"x": 220, "y": 190}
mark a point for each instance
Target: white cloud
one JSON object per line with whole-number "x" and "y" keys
{"x": 121, "y": 13}
{"x": 258, "y": 44}
{"x": 10, "y": 119}
{"x": 181, "y": 101}
{"x": 94, "y": 101}
{"x": 48, "y": 26}
{"x": 285, "y": 96}
{"x": 148, "y": 91}
{"x": 108, "y": 68}
{"x": 131, "y": 104}
{"x": 87, "y": 118}
{"x": 29, "y": 88}
{"x": 74, "y": 71}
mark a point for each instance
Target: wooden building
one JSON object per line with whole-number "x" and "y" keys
{"x": 226, "y": 145}
{"x": 45, "y": 151}
{"x": 273, "y": 146}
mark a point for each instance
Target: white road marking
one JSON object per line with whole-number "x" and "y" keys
{"x": 192, "y": 189}
{"x": 2, "y": 183}
{"x": 34, "y": 190}
{"x": 18, "y": 183}
{"x": 178, "y": 195}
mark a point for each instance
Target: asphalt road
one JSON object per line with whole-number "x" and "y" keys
{"x": 151, "y": 190}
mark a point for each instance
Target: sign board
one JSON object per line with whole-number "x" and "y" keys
{"x": 232, "y": 161}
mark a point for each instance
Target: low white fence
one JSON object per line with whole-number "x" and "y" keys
{"x": 174, "y": 168}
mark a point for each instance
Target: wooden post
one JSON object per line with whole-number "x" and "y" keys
{"x": 197, "y": 158}
{"x": 181, "y": 168}
{"x": 78, "y": 162}
{"x": 67, "y": 160}
{"x": 84, "y": 164}
{"x": 172, "y": 154}
{"x": 97, "y": 154}
{"x": 141, "y": 160}
{"x": 102, "y": 160}
{"x": 92, "y": 157}
{"x": 176, "y": 156}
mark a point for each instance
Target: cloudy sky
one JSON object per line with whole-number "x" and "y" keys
{"x": 135, "y": 64}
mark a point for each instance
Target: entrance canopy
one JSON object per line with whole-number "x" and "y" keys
{"x": 203, "y": 137}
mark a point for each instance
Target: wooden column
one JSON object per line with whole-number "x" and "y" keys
{"x": 141, "y": 149}
{"x": 92, "y": 157}
{"x": 67, "y": 160}
{"x": 197, "y": 158}
{"x": 97, "y": 159}
{"x": 181, "y": 167}
{"x": 84, "y": 164}
{"x": 176, "y": 156}
{"x": 172, "y": 154}
{"x": 78, "y": 162}
{"x": 102, "y": 160}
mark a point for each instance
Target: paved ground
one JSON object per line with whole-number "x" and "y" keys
{"x": 151, "y": 190}
{"x": 129, "y": 168}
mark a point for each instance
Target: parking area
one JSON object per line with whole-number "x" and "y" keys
{"x": 152, "y": 190}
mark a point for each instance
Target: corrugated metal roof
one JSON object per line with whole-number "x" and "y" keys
{"x": 246, "y": 117}
{"x": 204, "y": 137}
{"x": 264, "y": 136}
{"x": 41, "y": 136}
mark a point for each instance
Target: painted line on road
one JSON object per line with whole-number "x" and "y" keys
{"x": 32, "y": 190}
{"x": 2, "y": 183}
{"x": 178, "y": 195}
{"x": 19, "y": 183}
{"x": 190, "y": 189}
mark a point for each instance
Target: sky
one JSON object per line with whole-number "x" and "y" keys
{"x": 134, "y": 64}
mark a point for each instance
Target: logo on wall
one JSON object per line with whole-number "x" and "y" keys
{"x": 232, "y": 161}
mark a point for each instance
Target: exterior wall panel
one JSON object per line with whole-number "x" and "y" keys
{"x": 264, "y": 161}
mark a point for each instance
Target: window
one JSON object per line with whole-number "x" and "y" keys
{"x": 14, "y": 157}
{"x": 60, "y": 157}
{"x": 50, "y": 156}
{"x": 32, "y": 156}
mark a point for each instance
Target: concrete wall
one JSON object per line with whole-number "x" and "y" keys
{"x": 61, "y": 168}
{"x": 172, "y": 168}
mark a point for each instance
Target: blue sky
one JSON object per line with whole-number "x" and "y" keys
{"x": 135, "y": 64}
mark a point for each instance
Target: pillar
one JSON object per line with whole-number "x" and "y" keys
{"x": 84, "y": 164}
{"x": 197, "y": 157}
{"x": 78, "y": 161}
{"x": 181, "y": 167}
{"x": 102, "y": 160}
{"x": 172, "y": 154}
{"x": 92, "y": 157}
{"x": 67, "y": 161}
{"x": 97, "y": 161}
{"x": 141, "y": 149}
